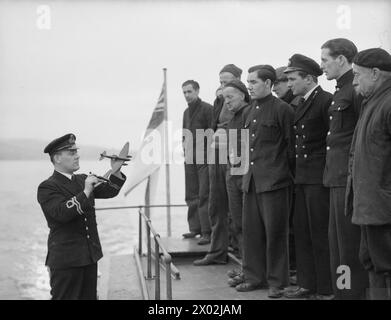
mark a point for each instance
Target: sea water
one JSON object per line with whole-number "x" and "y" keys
{"x": 24, "y": 231}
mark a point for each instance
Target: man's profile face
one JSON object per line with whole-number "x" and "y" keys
{"x": 329, "y": 65}
{"x": 362, "y": 81}
{"x": 297, "y": 84}
{"x": 190, "y": 93}
{"x": 226, "y": 77}
{"x": 67, "y": 161}
{"x": 233, "y": 98}
{"x": 280, "y": 88}
{"x": 256, "y": 87}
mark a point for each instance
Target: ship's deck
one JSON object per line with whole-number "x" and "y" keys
{"x": 195, "y": 283}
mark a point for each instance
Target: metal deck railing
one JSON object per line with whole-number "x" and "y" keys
{"x": 160, "y": 253}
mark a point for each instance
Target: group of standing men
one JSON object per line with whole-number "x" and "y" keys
{"x": 312, "y": 158}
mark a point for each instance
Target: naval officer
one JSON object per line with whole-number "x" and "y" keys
{"x": 311, "y": 217}
{"x": 67, "y": 201}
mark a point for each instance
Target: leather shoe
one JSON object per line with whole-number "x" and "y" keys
{"x": 248, "y": 286}
{"x": 190, "y": 234}
{"x": 234, "y": 273}
{"x": 299, "y": 293}
{"x": 205, "y": 239}
{"x": 206, "y": 262}
{"x": 233, "y": 282}
{"x": 275, "y": 293}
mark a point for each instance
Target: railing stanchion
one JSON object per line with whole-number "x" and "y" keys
{"x": 149, "y": 255}
{"x": 140, "y": 233}
{"x": 157, "y": 271}
{"x": 168, "y": 281}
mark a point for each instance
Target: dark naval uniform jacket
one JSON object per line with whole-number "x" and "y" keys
{"x": 343, "y": 114}
{"x": 73, "y": 238}
{"x": 311, "y": 125}
{"x": 370, "y": 163}
{"x": 271, "y": 144}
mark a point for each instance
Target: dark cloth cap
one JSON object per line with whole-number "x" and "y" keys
{"x": 280, "y": 75}
{"x": 299, "y": 62}
{"x": 241, "y": 87}
{"x": 373, "y": 58}
{"x": 231, "y": 68}
{"x": 66, "y": 142}
{"x": 264, "y": 70}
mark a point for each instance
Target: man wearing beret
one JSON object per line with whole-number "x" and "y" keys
{"x": 369, "y": 180}
{"x": 344, "y": 237}
{"x": 221, "y": 116}
{"x": 67, "y": 201}
{"x": 197, "y": 116}
{"x": 266, "y": 187}
{"x": 281, "y": 89}
{"x": 236, "y": 98}
{"x": 218, "y": 197}
{"x": 311, "y": 217}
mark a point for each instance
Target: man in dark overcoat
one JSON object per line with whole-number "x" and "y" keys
{"x": 369, "y": 180}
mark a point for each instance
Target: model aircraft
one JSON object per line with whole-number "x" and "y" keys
{"x": 115, "y": 157}
{"x": 119, "y": 160}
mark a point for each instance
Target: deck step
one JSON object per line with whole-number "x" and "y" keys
{"x": 180, "y": 247}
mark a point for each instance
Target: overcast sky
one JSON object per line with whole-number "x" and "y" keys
{"x": 97, "y": 70}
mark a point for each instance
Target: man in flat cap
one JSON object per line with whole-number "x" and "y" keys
{"x": 369, "y": 180}
{"x": 218, "y": 197}
{"x": 67, "y": 201}
{"x": 197, "y": 115}
{"x": 266, "y": 187}
{"x": 311, "y": 217}
{"x": 236, "y": 98}
{"x": 344, "y": 237}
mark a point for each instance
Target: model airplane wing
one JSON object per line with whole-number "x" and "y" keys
{"x": 120, "y": 160}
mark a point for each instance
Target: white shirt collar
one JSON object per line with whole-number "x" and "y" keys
{"x": 309, "y": 92}
{"x": 69, "y": 176}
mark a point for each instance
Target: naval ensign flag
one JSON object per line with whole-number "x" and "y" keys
{"x": 150, "y": 155}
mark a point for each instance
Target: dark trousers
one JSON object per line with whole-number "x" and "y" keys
{"x": 218, "y": 212}
{"x": 292, "y": 253}
{"x": 76, "y": 283}
{"x": 235, "y": 201}
{"x": 196, "y": 197}
{"x": 344, "y": 240}
{"x": 310, "y": 223}
{"x": 265, "y": 236}
{"x": 375, "y": 255}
